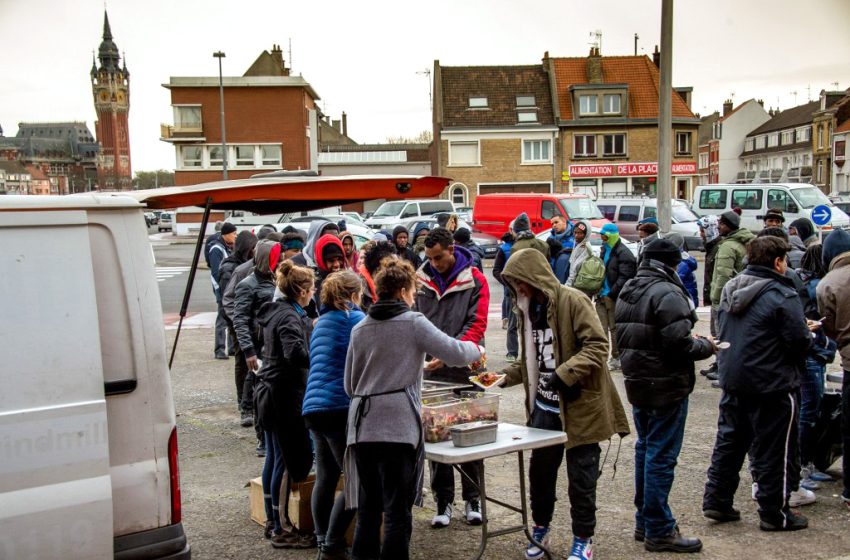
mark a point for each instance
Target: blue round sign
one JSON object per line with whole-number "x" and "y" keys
{"x": 821, "y": 215}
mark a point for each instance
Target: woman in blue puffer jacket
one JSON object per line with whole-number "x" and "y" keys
{"x": 325, "y": 407}
{"x": 686, "y": 274}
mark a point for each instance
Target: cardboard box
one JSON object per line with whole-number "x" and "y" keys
{"x": 300, "y": 512}
{"x": 255, "y": 494}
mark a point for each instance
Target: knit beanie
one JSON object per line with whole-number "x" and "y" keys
{"x": 731, "y": 219}
{"x": 663, "y": 250}
{"x": 462, "y": 236}
{"x": 521, "y": 223}
{"x": 837, "y": 243}
{"x": 227, "y": 227}
{"x": 677, "y": 239}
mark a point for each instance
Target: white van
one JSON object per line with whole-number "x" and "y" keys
{"x": 796, "y": 200}
{"x": 392, "y": 213}
{"x": 629, "y": 211}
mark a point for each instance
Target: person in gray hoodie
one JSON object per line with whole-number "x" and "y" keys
{"x": 581, "y": 251}
{"x": 318, "y": 228}
{"x": 384, "y": 463}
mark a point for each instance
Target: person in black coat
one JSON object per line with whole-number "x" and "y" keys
{"x": 655, "y": 316}
{"x": 401, "y": 238}
{"x": 620, "y": 267}
{"x": 463, "y": 238}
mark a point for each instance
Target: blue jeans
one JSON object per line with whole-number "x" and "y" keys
{"x": 811, "y": 395}
{"x": 659, "y": 440}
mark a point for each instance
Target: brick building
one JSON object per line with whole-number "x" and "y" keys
{"x": 14, "y": 177}
{"x": 706, "y": 160}
{"x": 834, "y": 109}
{"x": 271, "y": 123}
{"x": 840, "y": 180}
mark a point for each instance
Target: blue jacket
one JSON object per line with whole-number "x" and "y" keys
{"x": 328, "y": 349}
{"x": 686, "y": 270}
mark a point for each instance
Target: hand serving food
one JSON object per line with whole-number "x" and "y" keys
{"x": 487, "y": 379}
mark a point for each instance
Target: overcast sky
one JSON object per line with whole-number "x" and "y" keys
{"x": 365, "y": 57}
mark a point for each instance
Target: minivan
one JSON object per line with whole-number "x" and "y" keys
{"x": 627, "y": 212}
{"x": 392, "y": 213}
{"x": 796, "y": 200}
{"x": 493, "y": 213}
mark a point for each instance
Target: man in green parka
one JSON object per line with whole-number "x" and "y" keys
{"x": 562, "y": 366}
{"x": 729, "y": 260}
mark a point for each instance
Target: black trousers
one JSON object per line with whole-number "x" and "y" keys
{"x": 443, "y": 481}
{"x": 388, "y": 488}
{"x": 765, "y": 425}
{"x": 582, "y": 473}
{"x": 845, "y": 431}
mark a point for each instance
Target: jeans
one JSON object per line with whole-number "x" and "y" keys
{"x": 506, "y": 302}
{"x": 659, "y": 440}
{"x": 272, "y": 481}
{"x": 388, "y": 488}
{"x": 605, "y": 310}
{"x": 330, "y": 517}
{"x": 811, "y": 395}
{"x": 240, "y": 371}
{"x": 220, "y": 327}
{"x": 512, "y": 339}
{"x": 582, "y": 473}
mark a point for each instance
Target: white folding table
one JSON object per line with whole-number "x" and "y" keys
{"x": 510, "y": 438}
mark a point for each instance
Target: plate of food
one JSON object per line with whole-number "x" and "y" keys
{"x": 487, "y": 379}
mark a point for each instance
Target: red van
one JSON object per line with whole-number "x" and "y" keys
{"x": 494, "y": 212}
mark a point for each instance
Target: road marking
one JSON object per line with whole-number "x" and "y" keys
{"x": 163, "y": 273}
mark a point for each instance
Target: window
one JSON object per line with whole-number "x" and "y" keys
{"x": 526, "y": 116}
{"x": 804, "y": 134}
{"x": 713, "y": 199}
{"x": 683, "y": 143}
{"x": 607, "y": 211}
{"x": 778, "y": 199}
{"x": 629, "y": 213}
{"x": 819, "y": 177}
{"x": 215, "y": 156}
{"x": 463, "y": 153}
{"x": 191, "y": 156}
{"x": 748, "y": 146}
{"x": 410, "y": 210}
{"x": 650, "y": 212}
{"x": 773, "y": 140}
{"x": 614, "y": 145}
{"x": 458, "y": 196}
{"x": 525, "y": 101}
{"x": 549, "y": 210}
{"x": 477, "y": 102}
{"x": 428, "y": 208}
{"x": 703, "y": 161}
{"x": 820, "y": 137}
{"x": 611, "y": 103}
{"x": 588, "y": 104}
{"x": 270, "y": 155}
{"x": 840, "y": 147}
{"x": 584, "y": 145}
{"x": 535, "y": 151}
{"x": 787, "y": 137}
{"x": 761, "y": 142}
{"x": 187, "y": 118}
{"x": 717, "y": 130}
{"x": 245, "y": 156}
{"x": 748, "y": 199}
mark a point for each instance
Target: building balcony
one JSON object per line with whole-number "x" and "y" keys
{"x": 170, "y": 133}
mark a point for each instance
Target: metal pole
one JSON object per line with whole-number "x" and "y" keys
{"x": 219, "y": 55}
{"x": 665, "y": 123}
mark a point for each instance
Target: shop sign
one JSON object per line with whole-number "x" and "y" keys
{"x": 630, "y": 169}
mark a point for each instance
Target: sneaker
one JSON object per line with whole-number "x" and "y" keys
{"x": 674, "y": 542}
{"x": 443, "y": 516}
{"x": 813, "y": 473}
{"x": 715, "y": 385}
{"x": 801, "y": 497}
{"x": 722, "y": 515}
{"x": 268, "y": 530}
{"x": 329, "y": 554}
{"x": 261, "y": 448}
{"x": 291, "y": 539}
{"x": 540, "y": 534}
{"x": 504, "y": 324}
{"x": 712, "y": 376}
{"x": 220, "y": 356}
{"x": 510, "y": 357}
{"x": 790, "y": 522}
{"x": 809, "y": 484}
{"x": 582, "y": 549}
{"x": 246, "y": 420}
{"x": 614, "y": 364}
{"x": 640, "y": 534}
{"x": 710, "y": 369}
{"x": 845, "y": 499}
{"x": 472, "y": 510}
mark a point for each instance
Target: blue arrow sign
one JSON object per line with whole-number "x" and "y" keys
{"x": 821, "y": 215}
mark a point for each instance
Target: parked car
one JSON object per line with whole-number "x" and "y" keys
{"x": 152, "y": 218}
{"x": 596, "y": 241}
{"x": 165, "y": 221}
{"x": 361, "y": 234}
{"x": 494, "y": 212}
{"x": 488, "y": 243}
{"x": 392, "y": 213}
{"x": 843, "y": 205}
{"x": 464, "y": 212}
{"x": 627, "y": 212}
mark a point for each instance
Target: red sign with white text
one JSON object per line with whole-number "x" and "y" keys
{"x": 629, "y": 169}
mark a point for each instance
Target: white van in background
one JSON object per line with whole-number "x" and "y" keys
{"x": 392, "y": 213}
{"x": 796, "y": 200}
{"x": 88, "y": 440}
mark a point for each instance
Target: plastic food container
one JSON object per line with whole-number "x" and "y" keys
{"x": 474, "y": 433}
{"x": 442, "y": 412}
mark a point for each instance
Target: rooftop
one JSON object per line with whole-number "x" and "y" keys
{"x": 789, "y": 118}
{"x": 240, "y": 81}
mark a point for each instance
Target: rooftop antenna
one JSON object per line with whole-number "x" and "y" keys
{"x": 427, "y": 73}
{"x": 636, "y": 43}
{"x": 290, "y": 54}
{"x": 809, "y": 92}
{"x": 794, "y": 93}
{"x": 834, "y": 85}
{"x": 598, "y": 42}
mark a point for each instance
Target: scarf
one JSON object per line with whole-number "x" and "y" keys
{"x": 385, "y": 309}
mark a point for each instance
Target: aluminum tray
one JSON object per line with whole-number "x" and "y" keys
{"x": 474, "y": 433}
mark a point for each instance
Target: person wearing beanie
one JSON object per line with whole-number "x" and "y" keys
{"x": 774, "y": 218}
{"x": 219, "y": 250}
{"x": 731, "y": 251}
{"x": 420, "y": 233}
{"x": 463, "y": 238}
{"x": 655, "y": 318}
{"x": 620, "y": 267}
{"x": 524, "y": 238}
{"x": 292, "y": 244}
{"x": 833, "y": 293}
{"x": 401, "y": 240}
{"x": 805, "y": 230}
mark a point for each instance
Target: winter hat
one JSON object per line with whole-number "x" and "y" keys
{"x": 292, "y": 243}
{"x": 521, "y": 223}
{"x": 227, "y": 227}
{"x": 665, "y": 251}
{"x": 341, "y": 225}
{"x": 731, "y": 219}
{"x": 676, "y": 238}
{"x": 737, "y": 210}
{"x": 581, "y": 226}
{"x": 380, "y": 237}
{"x": 265, "y": 231}
{"x": 398, "y": 230}
{"x": 462, "y": 236}
{"x": 837, "y": 243}
{"x": 805, "y": 228}
{"x": 608, "y": 229}
{"x": 420, "y": 228}
{"x": 331, "y": 251}
{"x": 652, "y": 220}
{"x": 709, "y": 226}
{"x": 774, "y": 214}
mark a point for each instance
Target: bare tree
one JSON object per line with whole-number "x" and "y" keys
{"x": 423, "y": 137}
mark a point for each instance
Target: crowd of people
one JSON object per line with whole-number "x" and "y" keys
{"x": 302, "y": 314}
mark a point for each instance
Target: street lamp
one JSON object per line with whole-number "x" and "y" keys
{"x": 219, "y": 55}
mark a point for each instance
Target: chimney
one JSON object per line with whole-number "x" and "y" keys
{"x": 335, "y": 124}
{"x": 344, "y": 124}
{"x": 761, "y": 102}
{"x": 656, "y": 57}
{"x": 727, "y": 107}
{"x": 594, "y": 67}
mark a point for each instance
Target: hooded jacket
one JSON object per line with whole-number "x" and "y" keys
{"x": 581, "y": 352}
{"x": 729, "y": 260}
{"x": 686, "y": 270}
{"x": 354, "y": 260}
{"x": 577, "y": 258}
{"x": 322, "y": 271}
{"x": 307, "y": 257}
{"x": 405, "y": 252}
{"x": 251, "y": 293}
{"x": 657, "y": 351}
{"x": 620, "y": 267}
{"x": 805, "y": 231}
{"x": 243, "y": 248}
{"x": 833, "y": 292}
{"x": 761, "y": 315}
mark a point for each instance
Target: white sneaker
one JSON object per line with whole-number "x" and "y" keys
{"x": 755, "y": 491}
{"x": 443, "y": 517}
{"x": 802, "y": 497}
{"x": 582, "y": 549}
{"x": 541, "y": 535}
{"x": 472, "y": 510}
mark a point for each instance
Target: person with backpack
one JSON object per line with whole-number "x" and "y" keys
{"x": 592, "y": 276}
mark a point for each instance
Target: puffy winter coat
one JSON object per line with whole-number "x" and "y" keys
{"x": 328, "y": 348}
{"x": 729, "y": 260}
{"x": 657, "y": 351}
{"x": 619, "y": 268}
{"x": 832, "y": 292}
{"x": 686, "y": 271}
{"x": 251, "y": 293}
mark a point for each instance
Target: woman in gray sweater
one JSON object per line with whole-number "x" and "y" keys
{"x": 383, "y": 376}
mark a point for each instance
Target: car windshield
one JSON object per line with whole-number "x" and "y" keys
{"x": 389, "y": 209}
{"x": 581, "y": 209}
{"x": 682, "y": 214}
{"x": 809, "y": 197}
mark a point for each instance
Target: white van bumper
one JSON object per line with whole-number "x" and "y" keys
{"x": 162, "y": 543}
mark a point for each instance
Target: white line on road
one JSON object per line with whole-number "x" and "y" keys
{"x": 163, "y": 273}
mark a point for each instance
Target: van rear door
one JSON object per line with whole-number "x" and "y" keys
{"x": 55, "y": 487}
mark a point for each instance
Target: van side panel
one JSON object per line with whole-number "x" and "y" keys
{"x": 55, "y": 490}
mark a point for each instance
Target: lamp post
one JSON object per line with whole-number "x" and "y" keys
{"x": 219, "y": 55}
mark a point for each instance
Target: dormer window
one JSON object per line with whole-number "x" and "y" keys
{"x": 527, "y": 116}
{"x": 611, "y": 104}
{"x": 477, "y": 102}
{"x": 588, "y": 104}
{"x": 525, "y": 101}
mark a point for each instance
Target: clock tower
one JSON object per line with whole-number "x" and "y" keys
{"x": 111, "y": 89}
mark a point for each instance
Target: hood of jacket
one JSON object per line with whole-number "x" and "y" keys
{"x": 741, "y": 235}
{"x": 531, "y": 267}
{"x": 463, "y": 260}
{"x": 324, "y": 242}
{"x": 741, "y": 291}
{"x": 313, "y": 235}
{"x": 650, "y": 272}
{"x": 243, "y": 247}
{"x": 805, "y": 228}
{"x": 796, "y": 243}
{"x": 836, "y": 244}
{"x": 261, "y": 258}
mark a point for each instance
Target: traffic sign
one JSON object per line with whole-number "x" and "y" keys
{"x": 821, "y": 215}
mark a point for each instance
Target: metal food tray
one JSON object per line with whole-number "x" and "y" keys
{"x": 474, "y": 433}
{"x": 434, "y": 388}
